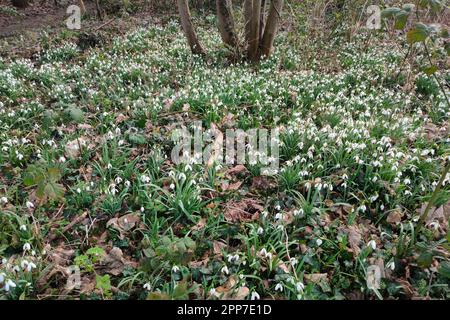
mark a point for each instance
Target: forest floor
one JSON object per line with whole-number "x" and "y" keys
{"x": 89, "y": 186}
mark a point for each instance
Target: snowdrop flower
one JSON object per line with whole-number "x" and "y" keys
{"x": 26, "y": 247}
{"x": 212, "y": 292}
{"x": 434, "y": 225}
{"x": 23, "y": 227}
{"x": 255, "y": 296}
{"x": 109, "y": 166}
{"x": 3, "y": 200}
{"x": 372, "y": 244}
{"x": 142, "y": 209}
{"x": 225, "y": 270}
{"x": 279, "y": 216}
{"x": 233, "y": 258}
{"x": 279, "y": 287}
{"x": 293, "y": 261}
{"x": 30, "y": 205}
{"x": 118, "y": 180}
{"x": 145, "y": 179}
{"x": 319, "y": 242}
{"x": 62, "y": 159}
{"x": 175, "y": 269}
{"x": 260, "y": 231}
{"x": 8, "y": 285}
{"x": 391, "y": 265}
{"x": 147, "y": 286}
{"x": 127, "y": 184}
{"x": 27, "y": 265}
{"x": 299, "y": 286}
{"x": 172, "y": 186}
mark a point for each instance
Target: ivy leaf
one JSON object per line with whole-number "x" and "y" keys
{"x": 447, "y": 48}
{"x": 430, "y": 70}
{"x": 75, "y": 114}
{"x": 401, "y": 18}
{"x": 418, "y": 34}
{"x": 54, "y": 174}
{"x": 425, "y": 259}
{"x": 408, "y": 7}
{"x": 444, "y": 269}
{"x": 103, "y": 283}
{"x": 54, "y": 191}
{"x": 138, "y": 139}
{"x": 435, "y": 5}
{"x": 390, "y": 12}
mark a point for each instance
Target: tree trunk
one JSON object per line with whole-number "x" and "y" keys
{"x": 20, "y": 3}
{"x": 188, "y": 28}
{"x": 273, "y": 21}
{"x": 262, "y": 20}
{"x": 226, "y": 22}
{"x": 253, "y": 44}
{"x": 248, "y": 13}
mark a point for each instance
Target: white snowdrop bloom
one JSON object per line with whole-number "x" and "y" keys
{"x": 109, "y": 166}
{"x": 372, "y": 244}
{"x": 255, "y": 296}
{"x": 175, "y": 269}
{"x": 23, "y": 227}
{"x": 407, "y": 181}
{"x": 233, "y": 258}
{"x": 279, "y": 216}
{"x": 279, "y": 287}
{"x": 319, "y": 242}
{"x": 391, "y": 265}
{"x": 298, "y": 213}
{"x": 263, "y": 252}
{"x": 260, "y": 231}
{"x": 299, "y": 286}
{"x": 3, "y": 200}
{"x": 127, "y": 183}
{"x": 62, "y": 159}
{"x": 145, "y": 179}
{"x": 118, "y": 180}
{"x": 434, "y": 225}
{"x": 9, "y": 284}
{"x": 362, "y": 208}
{"x": 212, "y": 292}
{"x": 293, "y": 261}
{"x": 147, "y": 286}
{"x": 172, "y": 186}
{"x": 26, "y": 247}
{"x": 225, "y": 270}
{"x": 142, "y": 209}
{"x": 78, "y": 190}
{"x": 23, "y": 264}
{"x": 30, "y": 205}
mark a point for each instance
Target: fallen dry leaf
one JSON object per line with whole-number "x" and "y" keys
{"x": 72, "y": 148}
{"x": 243, "y": 211}
{"x": 395, "y": 216}
{"x": 124, "y": 224}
